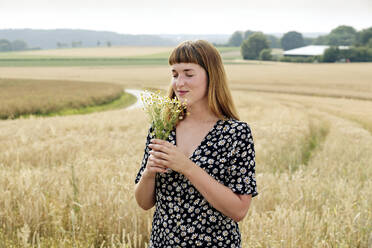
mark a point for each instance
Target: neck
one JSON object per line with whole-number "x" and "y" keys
{"x": 200, "y": 112}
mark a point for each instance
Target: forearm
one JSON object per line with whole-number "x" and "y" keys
{"x": 218, "y": 195}
{"x": 145, "y": 191}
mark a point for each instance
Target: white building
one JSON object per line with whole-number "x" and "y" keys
{"x": 312, "y": 50}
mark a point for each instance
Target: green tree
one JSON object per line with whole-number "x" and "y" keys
{"x": 61, "y": 45}
{"x": 331, "y": 54}
{"x": 342, "y": 36}
{"x": 273, "y": 41}
{"x": 369, "y": 44}
{"x": 308, "y": 41}
{"x": 265, "y": 54}
{"x": 19, "y": 45}
{"x": 236, "y": 39}
{"x": 292, "y": 40}
{"x": 5, "y": 45}
{"x": 360, "y": 54}
{"x": 321, "y": 40}
{"x": 247, "y": 34}
{"x": 252, "y": 47}
{"x": 363, "y": 37}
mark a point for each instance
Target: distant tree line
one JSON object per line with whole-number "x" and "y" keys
{"x": 73, "y": 44}
{"x": 16, "y": 45}
{"x": 361, "y": 45}
{"x": 48, "y": 39}
{"x": 20, "y": 45}
{"x": 108, "y": 43}
{"x": 257, "y": 45}
{"x": 354, "y": 54}
{"x": 237, "y": 38}
{"x": 80, "y": 44}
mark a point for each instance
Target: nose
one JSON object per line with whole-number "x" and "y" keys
{"x": 180, "y": 81}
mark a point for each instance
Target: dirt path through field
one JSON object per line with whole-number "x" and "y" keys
{"x": 136, "y": 93}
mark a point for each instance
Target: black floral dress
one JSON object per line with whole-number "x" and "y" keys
{"x": 183, "y": 218}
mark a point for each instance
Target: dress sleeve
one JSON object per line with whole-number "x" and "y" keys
{"x": 241, "y": 173}
{"x": 145, "y": 155}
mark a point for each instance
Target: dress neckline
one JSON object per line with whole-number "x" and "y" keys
{"x": 202, "y": 141}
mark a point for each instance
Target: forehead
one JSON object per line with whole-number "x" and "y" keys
{"x": 185, "y": 66}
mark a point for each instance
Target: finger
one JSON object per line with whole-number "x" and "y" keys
{"x": 160, "y": 148}
{"x": 153, "y": 162}
{"x": 159, "y": 155}
{"x": 160, "y": 162}
{"x": 157, "y": 141}
{"x": 153, "y": 169}
{"x": 158, "y": 169}
{"x": 151, "y": 166}
{"x": 162, "y": 142}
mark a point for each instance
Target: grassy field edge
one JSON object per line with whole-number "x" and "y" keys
{"x": 125, "y": 100}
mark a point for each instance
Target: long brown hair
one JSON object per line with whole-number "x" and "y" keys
{"x": 203, "y": 53}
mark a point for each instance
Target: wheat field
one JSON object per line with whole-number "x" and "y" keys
{"x": 115, "y": 51}
{"x": 335, "y": 80}
{"x": 68, "y": 181}
{"x": 20, "y": 97}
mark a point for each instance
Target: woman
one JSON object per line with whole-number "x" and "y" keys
{"x": 210, "y": 154}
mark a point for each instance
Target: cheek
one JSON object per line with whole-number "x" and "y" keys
{"x": 205, "y": 90}
{"x": 203, "y": 84}
{"x": 174, "y": 87}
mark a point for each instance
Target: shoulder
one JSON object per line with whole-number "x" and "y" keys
{"x": 239, "y": 132}
{"x": 237, "y": 125}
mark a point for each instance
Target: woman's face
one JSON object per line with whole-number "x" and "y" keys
{"x": 189, "y": 81}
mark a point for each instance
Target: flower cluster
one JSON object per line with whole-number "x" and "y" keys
{"x": 163, "y": 113}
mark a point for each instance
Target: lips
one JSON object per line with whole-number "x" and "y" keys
{"x": 182, "y": 92}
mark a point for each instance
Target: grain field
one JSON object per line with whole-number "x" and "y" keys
{"x": 68, "y": 181}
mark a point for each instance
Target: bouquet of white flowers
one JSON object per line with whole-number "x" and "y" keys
{"x": 163, "y": 113}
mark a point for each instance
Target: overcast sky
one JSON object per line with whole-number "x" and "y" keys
{"x": 186, "y": 17}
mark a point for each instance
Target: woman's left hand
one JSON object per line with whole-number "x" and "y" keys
{"x": 169, "y": 155}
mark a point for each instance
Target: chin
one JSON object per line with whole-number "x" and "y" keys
{"x": 185, "y": 99}
{"x": 182, "y": 98}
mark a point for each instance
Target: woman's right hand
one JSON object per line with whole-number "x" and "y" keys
{"x": 152, "y": 167}
{"x": 145, "y": 189}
